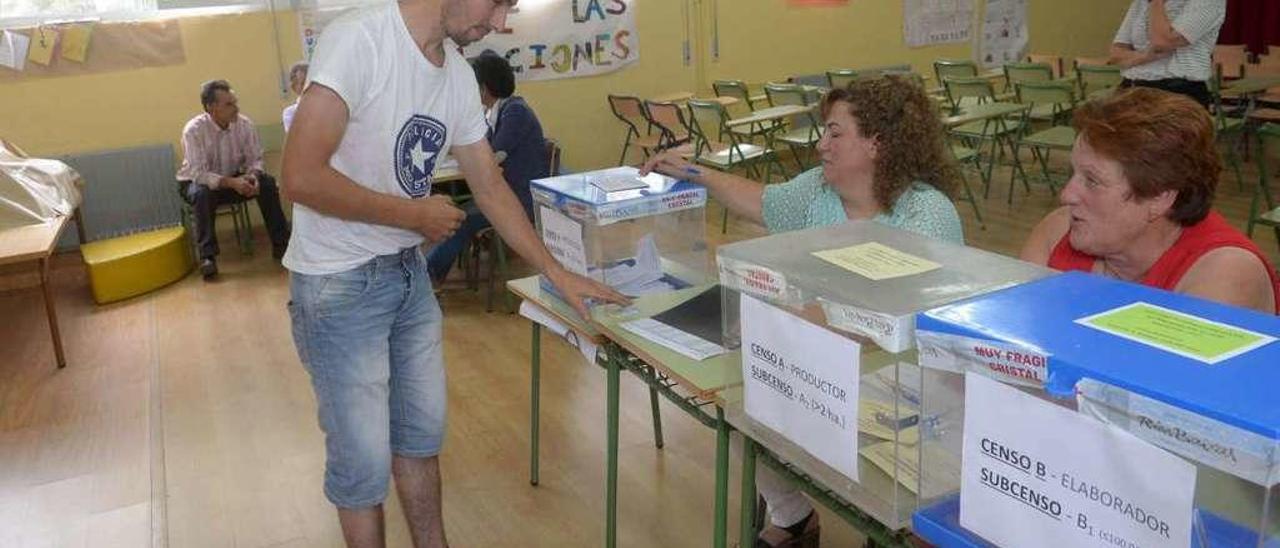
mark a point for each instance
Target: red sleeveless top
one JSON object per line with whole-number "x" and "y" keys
{"x": 1211, "y": 233}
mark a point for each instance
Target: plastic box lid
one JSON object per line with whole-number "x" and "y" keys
{"x": 591, "y": 194}
{"x": 1041, "y": 316}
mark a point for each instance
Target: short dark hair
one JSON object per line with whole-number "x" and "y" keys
{"x": 495, "y": 74}
{"x": 1163, "y": 142}
{"x": 299, "y": 67}
{"x": 209, "y": 91}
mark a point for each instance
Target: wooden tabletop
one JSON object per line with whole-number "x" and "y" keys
{"x": 30, "y": 242}
{"x": 1251, "y": 84}
{"x": 673, "y": 97}
{"x": 770, "y": 114}
{"x": 530, "y": 290}
{"x": 982, "y": 112}
{"x": 704, "y": 379}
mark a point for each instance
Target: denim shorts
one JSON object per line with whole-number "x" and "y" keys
{"x": 370, "y": 338}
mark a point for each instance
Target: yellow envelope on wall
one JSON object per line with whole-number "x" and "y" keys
{"x": 43, "y": 40}
{"x": 75, "y": 42}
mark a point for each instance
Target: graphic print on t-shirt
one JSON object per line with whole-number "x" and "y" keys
{"x": 418, "y": 145}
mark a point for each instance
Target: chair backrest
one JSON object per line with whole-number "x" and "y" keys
{"x": 670, "y": 119}
{"x": 954, "y": 68}
{"x": 707, "y": 122}
{"x": 884, "y": 69}
{"x": 553, "y": 157}
{"x": 1270, "y": 60}
{"x": 1015, "y": 73}
{"x": 784, "y": 94}
{"x": 1089, "y": 61}
{"x": 1053, "y": 61}
{"x": 1060, "y": 94}
{"x": 1268, "y": 151}
{"x": 840, "y": 78}
{"x": 975, "y": 87}
{"x": 630, "y": 110}
{"x": 1097, "y": 77}
{"x": 1232, "y": 58}
{"x": 732, "y": 88}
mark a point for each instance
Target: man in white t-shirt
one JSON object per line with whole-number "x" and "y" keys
{"x": 389, "y": 95}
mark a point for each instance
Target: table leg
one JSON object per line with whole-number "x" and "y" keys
{"x": 535, "y": 374}
{"x": 722, "y": 479}
{"x": 748, "y": 504}
{"x": 657, "y": 416}
{"x": 611, "y": 465}
{"x": 52, "y": 311}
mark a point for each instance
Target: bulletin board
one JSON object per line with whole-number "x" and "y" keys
{"x": 89, "y": 48}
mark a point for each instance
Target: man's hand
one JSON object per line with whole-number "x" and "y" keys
{"x": 577, "y": 289}
{"x": 437, "y": 217}
{"x": 242, "y": 185}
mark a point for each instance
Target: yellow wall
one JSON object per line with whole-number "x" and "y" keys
{"x": 759, "y": 40}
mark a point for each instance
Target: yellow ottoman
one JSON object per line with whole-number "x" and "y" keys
{"x": 131, "y": 265}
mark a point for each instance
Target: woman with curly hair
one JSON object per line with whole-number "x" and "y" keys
{"x": 884, "y": 157}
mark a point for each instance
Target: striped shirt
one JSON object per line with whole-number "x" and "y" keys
{"x": 210, "y": 153}
{"x": 1196, "y": 20}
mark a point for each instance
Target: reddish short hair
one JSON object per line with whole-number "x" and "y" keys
{"x": 1163, "y": 141}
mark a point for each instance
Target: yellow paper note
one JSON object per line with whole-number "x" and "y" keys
{"x": 43, "y": 40}
{"x": 876, "y": 261}
{"x": 876, "y": 418}
{"x": 75, "y": 42}
{"x": 943, "y": 474}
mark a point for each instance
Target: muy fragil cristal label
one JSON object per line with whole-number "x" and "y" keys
{"x": 1233, "y": 450}
{"x": 1005, "y": 362}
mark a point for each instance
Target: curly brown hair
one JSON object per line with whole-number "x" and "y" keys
{"x": 896, "y": 112}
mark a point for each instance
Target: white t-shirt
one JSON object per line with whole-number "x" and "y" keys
{"x": 404, "y": 114}
{"x": 1196, "y": 20}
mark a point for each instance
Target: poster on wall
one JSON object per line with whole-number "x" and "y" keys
{"x": 543, "y": 39}
{"x": 932, "y": 22}
{"x": 1004, "y": 32}
{"x": 551, "y": 39}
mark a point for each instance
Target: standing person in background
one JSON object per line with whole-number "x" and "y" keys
{"x": 297, "y": 81}
{"x": 1168, "y": 45}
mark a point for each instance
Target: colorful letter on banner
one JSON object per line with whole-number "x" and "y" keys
{"x": 566, "y": 38}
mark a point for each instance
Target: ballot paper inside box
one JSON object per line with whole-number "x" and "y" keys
{"x": 863, "y": 282}
{"x": 640, "y": 235}
{"x": 1179, "y": 392}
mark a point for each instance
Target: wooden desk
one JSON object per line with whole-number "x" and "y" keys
{"x": 673, "y": 97}
{"x": 35, "y": 243}
{"x": 1251, "y": 84}
{"x": 770, "y": 114}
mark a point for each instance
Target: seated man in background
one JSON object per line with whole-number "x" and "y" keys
{"x": 1139, "y": 205}
{"x": 297, "y": 81}
{"x": 222, "y": 163}
{"x": 513, "y": 129}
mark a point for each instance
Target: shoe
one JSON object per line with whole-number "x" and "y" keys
{"x": 277, "y": 251}
{"x": 208, "y": 268}
{"x": 804, "y": 534}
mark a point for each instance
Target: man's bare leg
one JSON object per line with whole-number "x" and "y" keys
{"x": 362, "y": 528}
{"x": 418, "y": 484}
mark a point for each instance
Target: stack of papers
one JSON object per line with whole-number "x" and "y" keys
{"x": 641, "y": 275}
{"x": 674, "y": 339}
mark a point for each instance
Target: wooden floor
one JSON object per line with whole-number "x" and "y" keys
{"x": 183, "y": 418}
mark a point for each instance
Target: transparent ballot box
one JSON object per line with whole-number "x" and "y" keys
{"x": 825, "y": 320}
{"x": 637, "y": 234}
{"x": 1096, "y": 412}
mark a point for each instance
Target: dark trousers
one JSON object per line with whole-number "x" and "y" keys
{"x": 1197, "y": 90}
{"x": 441, "y": 257}
{"x": 204, "y": 201}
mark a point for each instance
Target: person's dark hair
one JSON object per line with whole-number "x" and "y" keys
{"x": 1162, "y": 140}
{"x": 896, "y": 111}
{"x": 495, "y": 74}
{"x": 209, "y": 91}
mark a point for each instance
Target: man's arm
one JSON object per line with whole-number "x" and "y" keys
{"x": 308, "y": 179}
{"x": 500, "y": 206}
{"x": 1160, "y": 29}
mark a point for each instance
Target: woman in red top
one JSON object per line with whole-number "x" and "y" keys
{"x": 1138, "y": 206}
